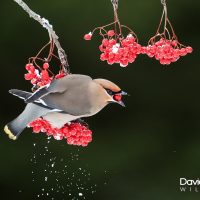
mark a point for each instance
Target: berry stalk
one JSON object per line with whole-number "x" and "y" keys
{"x": 115, "y": 47}
{"x": 52, "y": 34}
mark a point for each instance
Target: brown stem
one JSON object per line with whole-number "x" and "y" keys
{"x": 172, "y": 29}
{"x": 35, "y": 63}
{"x": 50, "y": 51}
{"x": 131, "y": 31}
{"x": 161, "y": 20}
{"x": 102, "y": 27}
{"x": 55, "y": 56}
{"x": 42, "y": 49}
{"x": 169, "y": 36}
{"x": 34, "y": 58}
{"x": 165, "y": 11}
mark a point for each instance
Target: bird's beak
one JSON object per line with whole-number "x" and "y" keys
{"x": 124, "y": 93}
{"x": 121, "y": 103}
{"x": 118, "y": 102}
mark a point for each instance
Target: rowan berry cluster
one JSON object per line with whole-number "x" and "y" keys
{"x": 36, "y": 77}
{"x": 116, "y": 48}
{"x": 164, "y": 46}
{"x": 126, "y": 50}
{"x": 74, "y": 133}
{"x": 166, "y": 51}
{"x": 123, "y": 52}
{"x": 40, "y": 76}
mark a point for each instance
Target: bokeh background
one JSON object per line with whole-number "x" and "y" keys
{"x": 138, "y": 152}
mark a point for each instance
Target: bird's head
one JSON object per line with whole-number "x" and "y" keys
{"x": 114, "y": 92}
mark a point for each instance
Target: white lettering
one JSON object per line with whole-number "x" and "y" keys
{"x": 189, "y": 182}
{"x": 183, "y": 181}
{"x": 183, "y": 189}
{"x": 196, "y": 182}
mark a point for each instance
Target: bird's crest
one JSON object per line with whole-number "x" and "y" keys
{"x": 108, "y": 85}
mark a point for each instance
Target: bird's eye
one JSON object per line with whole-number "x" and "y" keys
{"x": 117, "y": 97}
{"x": 109, "y": 92}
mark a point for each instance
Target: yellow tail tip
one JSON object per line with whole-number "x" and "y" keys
{"x": 9, "y": 133}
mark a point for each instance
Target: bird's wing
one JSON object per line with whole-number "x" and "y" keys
{"x": 56, "y": 86}
{"x": 20, "y": 94}
{"x": 24, "y": 95}
{"x": 42, "y": 105}
{"x": 43, "y": 91}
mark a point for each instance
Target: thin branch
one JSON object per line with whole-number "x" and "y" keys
{"x": 163, "y": 2}
{"x": 53, "y": 37}
{"x": 115, "y": 4}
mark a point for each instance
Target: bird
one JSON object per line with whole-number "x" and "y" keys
{"x": 64, "y": 100}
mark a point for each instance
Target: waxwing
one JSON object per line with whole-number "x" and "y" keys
{"x": 64, "y": 100}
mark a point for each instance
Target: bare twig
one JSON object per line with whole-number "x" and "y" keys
{"x": 115, "y": 4}
{"x": 163, "y": 2}
{"x": 53, "y": 37}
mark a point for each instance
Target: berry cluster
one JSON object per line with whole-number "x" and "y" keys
{"x": 166, "y": 51}
{"x": 115, "y": 48}
{"x": 123, "y": 52}
{"x": 74, "y": 133}
{"x": 40, "y": 78}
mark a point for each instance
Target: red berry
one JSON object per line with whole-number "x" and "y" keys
{"x": 189, "y": 49}
{"x": 105, "y": 42}
{"x": 88, "y": 36}
{"x": 117, "y": 97}
{"x": 174, "y": 43}
{"x": 30, "y": 67}
{"x": 45, "y": 75}
{"x": 46, "y": 65}
{"x": 111, "y": 33}
{"x": 112, "y": 42}
{"x": 60, "y": 75}
{"x": 28, "y": 76}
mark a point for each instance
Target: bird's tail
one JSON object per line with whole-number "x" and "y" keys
{"x": 20, "y": 93}
{"x": 30, "y": 113}
{"x": 14, "y": 128}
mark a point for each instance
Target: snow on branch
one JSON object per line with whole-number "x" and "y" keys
{"x": 53, "y": 36}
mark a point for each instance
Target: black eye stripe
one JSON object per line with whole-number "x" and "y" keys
{"x": 110, "y": 92}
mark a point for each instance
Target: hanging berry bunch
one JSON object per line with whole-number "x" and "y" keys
{"x": 115, "y": 47}
{"x": 75, "y": 133}
{"x": 164, "y": 46}
{"x": 41, "y": 76}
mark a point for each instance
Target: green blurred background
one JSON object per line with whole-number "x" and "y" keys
{"x": 138, "y": 152}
